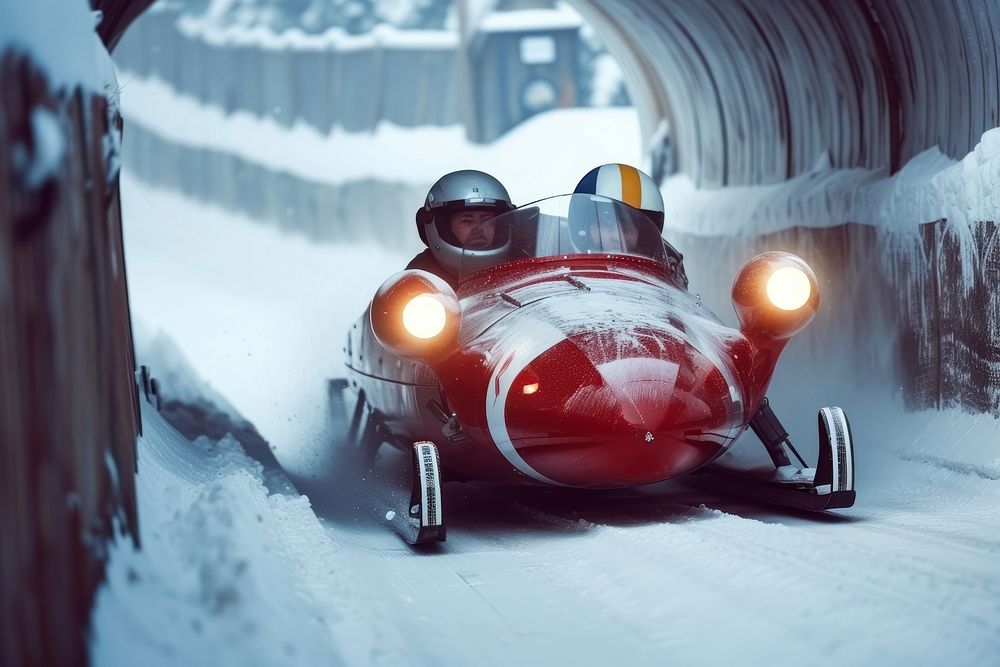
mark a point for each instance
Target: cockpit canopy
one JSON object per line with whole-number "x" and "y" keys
{"x": 578, "y": 224}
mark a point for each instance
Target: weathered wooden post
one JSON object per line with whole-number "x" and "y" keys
{"x": 68, "y": 412}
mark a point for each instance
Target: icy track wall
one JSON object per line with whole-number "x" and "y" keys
{"x": 68, "y": 413}
{"x": 831, "y": 129}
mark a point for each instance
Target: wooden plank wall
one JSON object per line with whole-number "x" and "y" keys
{"x": 923, "y": 306}
{"x": 68, "y": 411}
{"x": 951, "y": 331}
{"x": 354, "y": 89}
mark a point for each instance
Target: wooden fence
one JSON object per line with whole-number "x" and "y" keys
{"x": 325, "y": 86}
{"x": 320, "y": 211}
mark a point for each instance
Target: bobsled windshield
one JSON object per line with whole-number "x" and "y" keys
{"x": 579, "y": 224}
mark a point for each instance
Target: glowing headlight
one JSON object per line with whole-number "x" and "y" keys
{"x": 788, "y": 288}
{"x": 424, "y": 316}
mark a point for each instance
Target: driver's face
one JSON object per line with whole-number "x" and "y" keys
{"x": 474, "y": 229}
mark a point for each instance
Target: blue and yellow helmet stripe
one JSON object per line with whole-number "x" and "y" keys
{"x": 626, "y": 184}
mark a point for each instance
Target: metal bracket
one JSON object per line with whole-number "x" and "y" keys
{"x": 452, "y": 428}
{"x": 773, "y": 435}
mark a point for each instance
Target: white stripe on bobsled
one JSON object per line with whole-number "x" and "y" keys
{"x": 531, "y": 339}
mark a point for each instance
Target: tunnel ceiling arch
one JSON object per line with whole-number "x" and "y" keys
{"x": 756, "y": 91}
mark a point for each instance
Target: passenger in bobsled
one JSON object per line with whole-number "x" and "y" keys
{"x": 633, "y": 188}
{"x": 457, "y": 225}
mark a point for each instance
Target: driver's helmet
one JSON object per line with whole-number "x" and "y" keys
{"x": 628, "y": 185}
{"x": 463, "y": 190}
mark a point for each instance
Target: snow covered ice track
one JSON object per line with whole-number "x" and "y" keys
{"x": 543, "y": 576}
{"x": 550, "y": 575}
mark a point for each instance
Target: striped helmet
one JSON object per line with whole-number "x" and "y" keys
{"x": 627, "y": 185}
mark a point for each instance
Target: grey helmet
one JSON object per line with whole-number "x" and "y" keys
{"x": 459, "y": 190}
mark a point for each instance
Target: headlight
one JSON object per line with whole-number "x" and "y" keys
{"x": 416, "y": 315}
{"x": 424, "y": 316}
{"x": 788, "y": 288}
{"x": 775, "y": 296}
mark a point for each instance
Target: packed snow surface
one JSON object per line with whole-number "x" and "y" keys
{"x": 237, "y": 568}
{"x": 261, "y": 316}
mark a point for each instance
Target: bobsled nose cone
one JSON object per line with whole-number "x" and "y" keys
{"x": 583, "y": 415}
{"x": 639, "y": 389}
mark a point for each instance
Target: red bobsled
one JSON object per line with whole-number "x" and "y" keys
{"x": 581, "y": 360}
